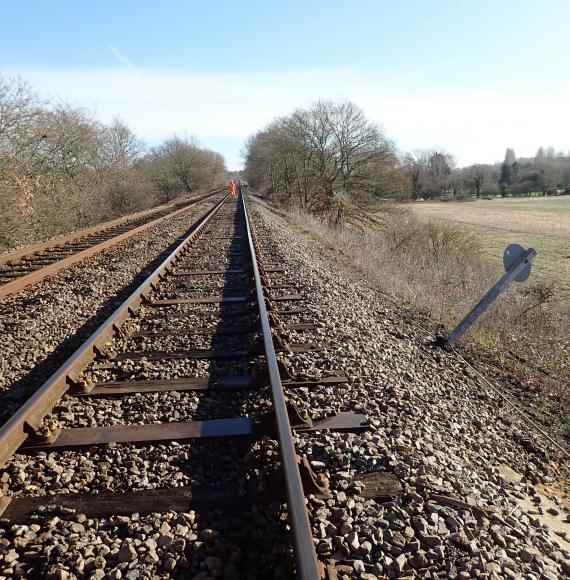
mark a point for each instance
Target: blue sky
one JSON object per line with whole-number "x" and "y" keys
{"x": 471, "y": 76}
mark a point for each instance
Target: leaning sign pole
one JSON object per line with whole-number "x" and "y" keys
{"x": 517, "y": 263}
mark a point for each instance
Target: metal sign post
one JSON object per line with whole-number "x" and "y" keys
{"x": 517, "y": 263}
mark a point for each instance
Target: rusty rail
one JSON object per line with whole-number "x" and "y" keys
{"x": 306, "y": 557}
{"x": 27, "y": 420}
{"x": 36, "y": 276}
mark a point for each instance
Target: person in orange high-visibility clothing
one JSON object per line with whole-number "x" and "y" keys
{"x": 232, "y": 188}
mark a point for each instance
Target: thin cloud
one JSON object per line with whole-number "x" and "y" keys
{"x": 122, "y": 58}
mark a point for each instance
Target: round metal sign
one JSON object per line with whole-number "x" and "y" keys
{"x": 512, "y": 254}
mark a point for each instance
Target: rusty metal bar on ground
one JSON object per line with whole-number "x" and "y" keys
{"x": 35, "y": 276}
{"x": 29, "y": 417}
{"x": 305, "y": 555}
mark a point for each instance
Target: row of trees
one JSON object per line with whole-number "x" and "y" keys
{"x": 331, "y": 152}
{"x": 433, "y": 173}
{"x": 323, "y": 154}
{"x": 547, "y": 173}
{"x": 60, "y": 169}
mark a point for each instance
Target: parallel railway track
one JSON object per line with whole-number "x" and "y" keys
{"x": 33, "y": 264}
{"x": 206, "y": 324}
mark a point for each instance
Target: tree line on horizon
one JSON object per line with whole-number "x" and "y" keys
{"x": 330, "y": 152}
{"x": 61, "y": 169}
{"x": 433, "y": 174}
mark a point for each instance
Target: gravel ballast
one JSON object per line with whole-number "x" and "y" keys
{"x": 446, "y": 441}
{"x": 42, "y": 325}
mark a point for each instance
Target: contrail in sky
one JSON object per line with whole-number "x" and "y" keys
{"x": 122, "y": 58}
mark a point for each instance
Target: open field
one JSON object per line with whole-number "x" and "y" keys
{"x": 542, "y": 223}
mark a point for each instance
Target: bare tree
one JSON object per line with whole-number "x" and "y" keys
{"x": 477, "y": 179}
{"x": 61, "y": 169}
{"x": 440, "y": 167}
{"x": 182, "y": 166}
{"x": 19, "y": 109}
{"x": 327, "y": 152}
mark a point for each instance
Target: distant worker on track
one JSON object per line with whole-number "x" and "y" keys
{"x": 232, "y": 188}
{"x": 239, "y": 186}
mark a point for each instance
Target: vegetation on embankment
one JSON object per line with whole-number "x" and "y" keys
{"x": 61, "y": 170}
{"x": 441, "y": 271}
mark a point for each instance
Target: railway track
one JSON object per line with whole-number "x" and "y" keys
{"x": 32, "y": 264}
{"x": 189, "y": 358}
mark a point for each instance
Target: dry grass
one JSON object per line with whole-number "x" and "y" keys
{"x": 548, "y": 216}
{"x": 441, "y": 270}
{"x": 541, "y": 223}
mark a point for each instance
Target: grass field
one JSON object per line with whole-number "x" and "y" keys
{"x": 541, "y": 223}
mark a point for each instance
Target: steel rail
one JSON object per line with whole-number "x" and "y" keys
{"x": 36, "y": 276}
{"x": 28, "y": 418}
{"x": 99, "y": 228}
{"x": 305, "y": 555}
{"x": 78, "y": 235}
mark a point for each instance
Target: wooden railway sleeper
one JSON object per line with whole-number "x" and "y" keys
{"x": 270, "y": 488}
